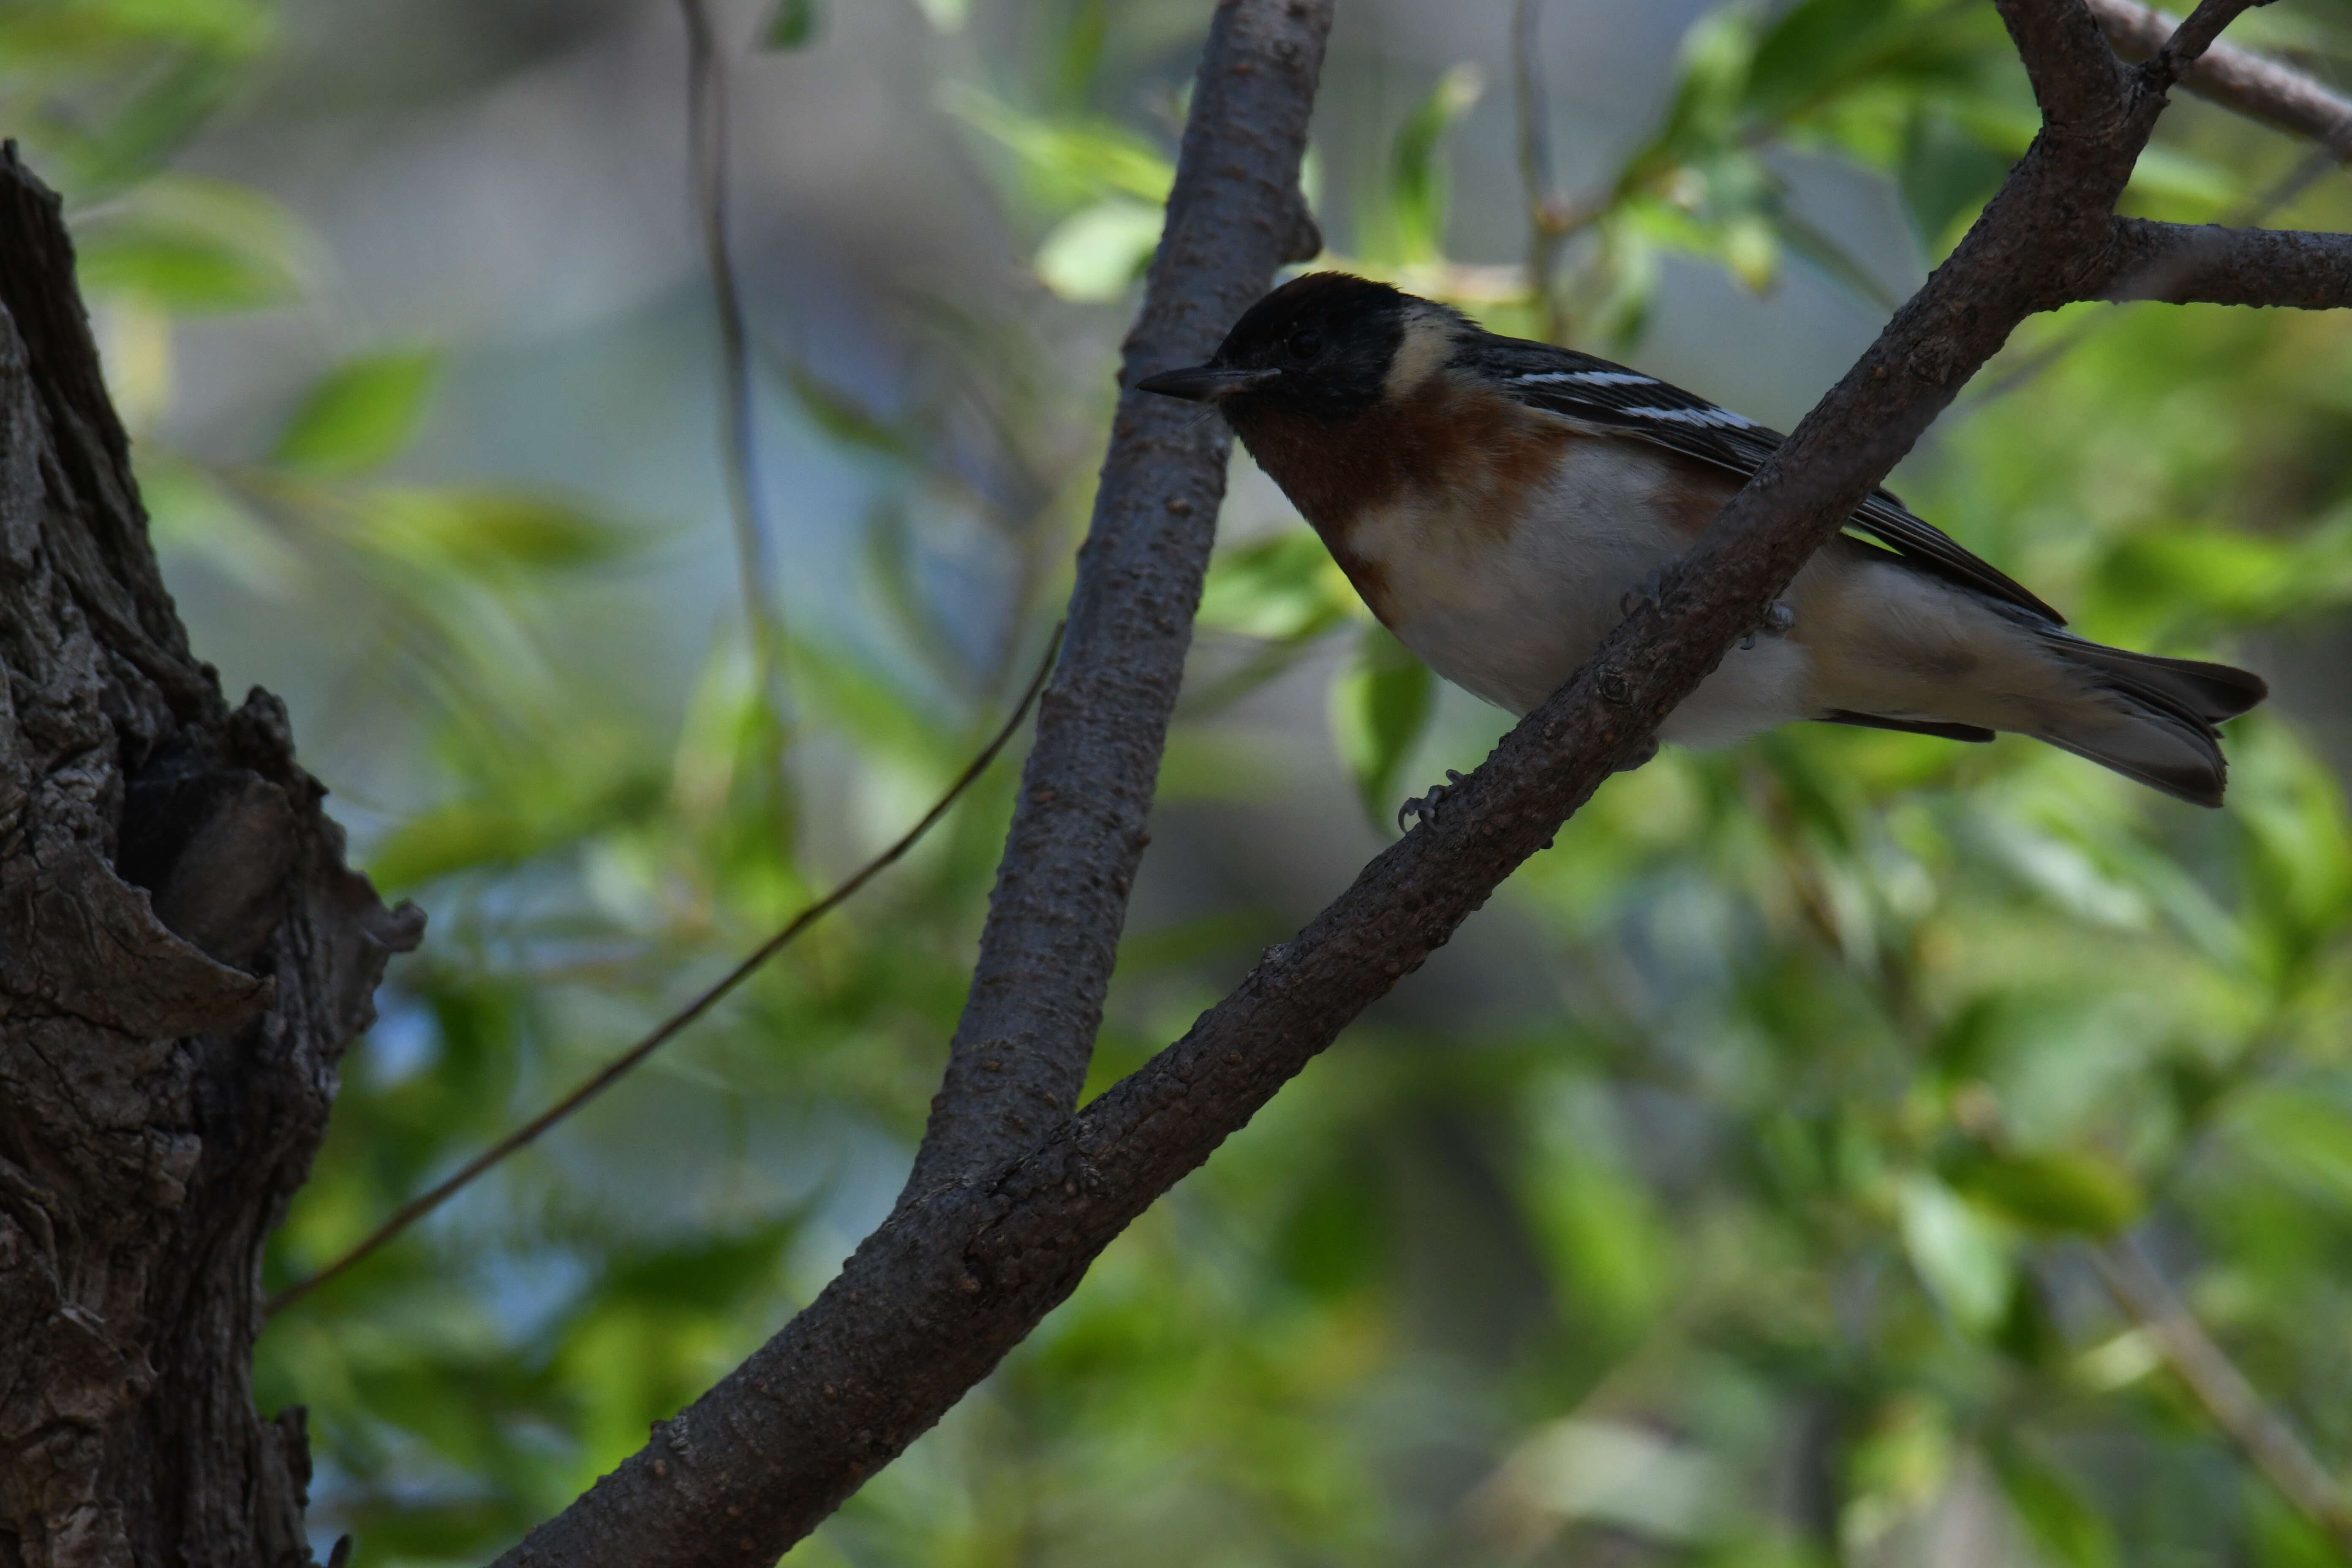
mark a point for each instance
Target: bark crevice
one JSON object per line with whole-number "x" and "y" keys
{"x": 183, "y": 958}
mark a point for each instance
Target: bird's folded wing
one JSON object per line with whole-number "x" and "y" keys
{"x": 1611, "y": 399}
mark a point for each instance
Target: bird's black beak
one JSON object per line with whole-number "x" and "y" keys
{"x": 1204, "y": 383}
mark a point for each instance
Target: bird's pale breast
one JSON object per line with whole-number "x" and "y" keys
{"x": 1500, "y": 542}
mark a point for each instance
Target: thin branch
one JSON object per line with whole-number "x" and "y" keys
{"x": 2190, "y": 40}
{"x": 604, "y": 1078}
{"x": 739, "y": 446}
{"x": 1534, "y": 109}
{"x": 2236, "y": 78}
{"x": 2208, "y": 264}
{"x": 964, "y": 1268}
{"x": 2140, "y": 1288}
{"x": 1021, "y": 1046}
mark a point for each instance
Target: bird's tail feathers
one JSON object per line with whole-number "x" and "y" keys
{"x": 2152, "y": 718}
{"x": 2198, "y": 691}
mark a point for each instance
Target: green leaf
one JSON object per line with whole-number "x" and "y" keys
{"x": 136, "y": 141}
{"x": 2168, "y": 183}
{"x": 181, "y": 272}
{"x": 524, "y": 816}
{"x": 359, "y": 415}
{"x": 98, "y": 28}
{"x": 703, "y": 1273}
{"x": 2066, "y": 1191}
{"x": 1342, "y": 1228}
{"x": 1810, "y": 50}
{"x": 191, "y": 244}
{"x": 189, "y": 510}
{"x": 1959, "y": 1252}
{"x": 2062, "y": 1522}
{"x": 1283, "y": 588}
{"x": 1821, "y": 52}
{"x": 457, "y": 836}
{"x": 792, "y": 25}
{"x": 1701, "y": 122}
{"x": 1379, "y": 709}
{"x": 1097, "y": 251}
{"x": 1417, "y": 184}
{"x": 1948, "y": 171}
{"x": 2302, "y": 1133}
{"x": 1068, "y": 163}
{"x": 484, "y": 529}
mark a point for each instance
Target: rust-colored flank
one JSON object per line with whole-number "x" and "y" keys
{"x": 1697, "y": 493}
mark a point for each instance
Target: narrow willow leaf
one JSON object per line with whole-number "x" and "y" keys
{"x": 1417, "y": 184}
{"x": 360, "y": 415}
{"x": 1379, "y": 709}
{"x": 2068, "y": 1190}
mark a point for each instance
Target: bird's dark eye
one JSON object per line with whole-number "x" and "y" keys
{"x": 1305, "y": 344}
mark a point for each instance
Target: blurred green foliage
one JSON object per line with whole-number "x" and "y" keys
{"x": 1765, "y": 1243}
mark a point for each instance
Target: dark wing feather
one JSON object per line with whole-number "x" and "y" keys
{"x": 1604, "y": 396}
{"x": 1976, "y": 734}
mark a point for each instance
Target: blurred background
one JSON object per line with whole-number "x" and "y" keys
{"x": 1739, "y": 1187}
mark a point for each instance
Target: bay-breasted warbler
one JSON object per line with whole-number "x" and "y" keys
{"x": 1496, "y": 502}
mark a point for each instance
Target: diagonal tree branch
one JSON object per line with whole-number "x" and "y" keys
{"x": 1020, "y": 1048}
{"x": 2236, "y": 78}
{"x": 2232, "y": 1402}
{"x": 966, "y": 1268}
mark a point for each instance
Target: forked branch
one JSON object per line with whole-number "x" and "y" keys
{"x": 2236, "y": 78}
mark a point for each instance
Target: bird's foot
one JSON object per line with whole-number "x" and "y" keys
{"x": 1653, "y": 593}
{"x": 1423, "y": 807}
{"x": 1779, "y": 621}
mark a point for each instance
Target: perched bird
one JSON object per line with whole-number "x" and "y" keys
{"x": 1499, "y": 504}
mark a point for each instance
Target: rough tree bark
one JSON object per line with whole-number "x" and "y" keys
{"x": 2246, "y": 83}
{"x": 183, "y": 958}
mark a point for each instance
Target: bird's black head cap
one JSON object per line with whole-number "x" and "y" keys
{"x": 1321, "y": 345}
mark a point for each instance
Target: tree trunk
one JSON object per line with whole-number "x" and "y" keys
{"x": 184, "y": 957}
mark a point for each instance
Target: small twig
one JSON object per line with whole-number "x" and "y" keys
{"x": 1552, "y": 218}
{"x": 2192, "y": 39}
{"x": 707, "y": 116}
{"x": 1535, "y": 161}
{"x": 417, "y": 1208}
{"x": 2140, "y": 1289}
